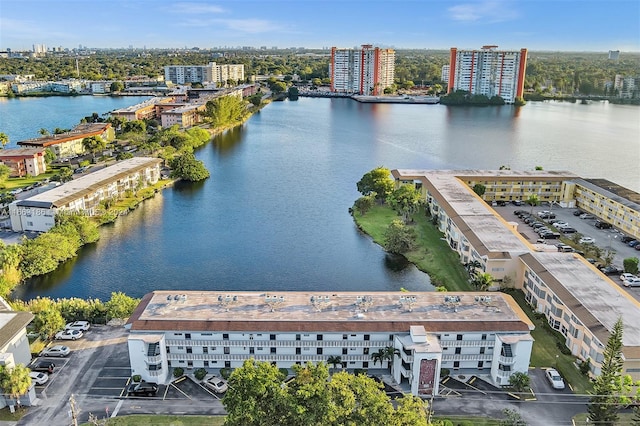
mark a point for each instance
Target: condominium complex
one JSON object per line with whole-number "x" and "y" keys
{"x": 488, "y": 72}
{"x": 469, "y": 333}
{"x": 24, "y": 161}
{"x": 365, "y": 71}
{"x": 181, "y": 74}
{"x": 68, "y": 144}
{"x": 578, "y": 300}
{"x": 83, "y": 195}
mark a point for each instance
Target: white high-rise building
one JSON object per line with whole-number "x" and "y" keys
{"x": 365, "y": 71}
{"x": 488, "y": 72}
{"x": 181, "y": 74}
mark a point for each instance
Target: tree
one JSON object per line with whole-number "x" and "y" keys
{"x": 406, "y": 200}
{"x": 519, "y": 381}
{"x": 5, "y": 172}
{"x": 607, "y": 387}
{"x": 188, "y": 168}
{"x": 364, "y": 203}
{"x": 482, "y": 281}
{"x": 533, "y": 201}
{"x": 399, "y": 238}
{"x": 410, "y": 411}
{"x": 48, "y": 321}
{"x": 334, "y": 360}
{"x": 630, "y": 265}
{"x": 4, "y": 139}
{"x": 278, "y": 87}
{"x": 49, "y": 156}
{"x": 378, "y": 357}
{"x": 376, "y": 181}
{"x": 65, "y": 174}
{"x": 15, "y": 381}
{"x": 44, "y": 132}
{"x": 479, "y": 189}
{"x": 472, "y": 266}
{"x": 134, "y": 126}
{"x": 117, "y": 86}
{"x": 512, "y": 418}
{"x": 224, "y": 111}
{"x": 120, "y": 305}
{"x": 94, "y": 144}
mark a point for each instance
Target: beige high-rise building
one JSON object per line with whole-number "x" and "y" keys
{"x": 365, "y": 71}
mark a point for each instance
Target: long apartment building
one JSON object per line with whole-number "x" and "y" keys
{"x": 469, "y": 333}
{"x": 488, "y": 72}
{"x": 83, "y": 195}
{"x": 365, "y": 71}
{"x": 577, "y": 299}
{"x": 210, "y": 73}
{"x": 69, "y": 144}
{"x": 24, "y": 161}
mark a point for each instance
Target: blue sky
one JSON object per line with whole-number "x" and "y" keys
{"x": 564, "y": 25}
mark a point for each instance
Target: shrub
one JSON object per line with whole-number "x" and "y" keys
{"x": 225, "y": 373}
{"x": 284, "y": 372}
{"x": 444, "y": 372}
{"x": 136, "y": 378}
{"x": 585, "y": 366}
{"x": 178, "y": 372}
{"x": 359, "y": 371}
{"x": 200, "y": 373}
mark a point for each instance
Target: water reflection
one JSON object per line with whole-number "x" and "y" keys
{"x": 227, "y": 142}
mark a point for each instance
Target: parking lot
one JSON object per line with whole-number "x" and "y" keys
{"x": 606, "y": 239}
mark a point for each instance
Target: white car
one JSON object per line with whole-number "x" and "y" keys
{"x": 561, "y": 225}
{"x": 626, "y": 276}
{"x": 39, "y": 378}
{"x": 586, "y": 240}
{"x": 554, "y": 378}
{"x": 78, "y": 325}
{"x": 216, "y": 384}
{"x": 57, "y": 350}
{"x": 69, "y": 335}
{"x": 631, "y": 282}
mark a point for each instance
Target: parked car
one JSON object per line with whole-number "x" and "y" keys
{"x": 69, "y": 335}
{"x": 550, "y": 235}
{"x": 611, "y": 270}
{"x": 42, "y": 366}
{"x": 142, "y": 389}
{"x": 501, "y": 203}
{"x": 554, "y": 378}
{"x": 561, "y": 224}
{"x": 565, "y": 248}
{"x": 586, "y": 216}
{"x": 602, "y": 225}
{"x": 548, "y": 215}
{"x": 57, "y": 350}
{"x": 633, "y": 243}
{"x": 39, "y": 378}
{"x": 626, "y": 275}
{"x": 78, "y": 325}
{"x": 216, "y": 384}
{"x": 519, "y": 212}
{"x": 626, "y": 239}
{"x": 631, "y": 282}
{"x": 568, "y": 230}
{"x": 517, "y": 203}
{"x": 578, "y": 212}
{"x": 586, "y": 240}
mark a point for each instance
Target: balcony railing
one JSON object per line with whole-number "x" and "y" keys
{"x": 154, "y": 359}
{"x": 465, "y": 343}
{"x": 507, "y": 360}
{"x": 265, "y": 357}
{"x": 467, "y": 357}
{"x": 284, "y": 343}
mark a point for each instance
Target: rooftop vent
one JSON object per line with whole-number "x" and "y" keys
{"x": 408, "y": 302}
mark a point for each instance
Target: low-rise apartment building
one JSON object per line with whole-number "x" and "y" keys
{"x": 69, "y": 144}
{"x": 143, "y": 110}
{"x": 24, "y": 161}
{"x": 83, "y": 195}
{"x": 577, "y": 299}
{"x": 469, "y": 333}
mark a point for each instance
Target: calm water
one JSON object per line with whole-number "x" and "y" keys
{"x": 274, "y": 215}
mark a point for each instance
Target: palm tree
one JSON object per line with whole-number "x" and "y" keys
{"x": 334, "y": 360}
{"x": 389, "y": 354}
{"x": 472, "y": 266}
{"x": 15, "y": 382}
{"x": 533, "y": 200}
{"x": 378, "y": 356}
{"x": 4, "y": 139}
{"x": 482, "y": 281}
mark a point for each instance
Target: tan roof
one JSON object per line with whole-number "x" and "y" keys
{"x": 12, "y": 323}
{"x": 81, "y": 131}
{"x": 202, "y": 311}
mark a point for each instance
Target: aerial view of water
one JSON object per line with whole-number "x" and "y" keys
{"x": 274, "y": 213}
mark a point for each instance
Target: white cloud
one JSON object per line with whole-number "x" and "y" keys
{"x": 483, "y": 11}
{"x": 248, "y": 26}
{"x": 196, "y": 8}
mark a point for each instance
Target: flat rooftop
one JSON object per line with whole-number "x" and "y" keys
{"x": 13, "y": 152}
{"x": 77, "y": 132}
{"x": 79, "y": 186}
{"x": 612, "y": 191}
{"x": 330, "y": 311}
{"x": 593, "y": 298}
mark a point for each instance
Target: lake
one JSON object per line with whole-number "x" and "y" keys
{"x": 274, "y": 214}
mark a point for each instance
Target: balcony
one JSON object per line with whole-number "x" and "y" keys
{"x": 285, "y": 343}
{"x": 507, "y": 360}
{"x": 467, "y": 357}
{"x": 153, "y": 359}
{"x": 155, "y": 373}
{"x": 266, "y": 357}
{"x": 465, "y": 343}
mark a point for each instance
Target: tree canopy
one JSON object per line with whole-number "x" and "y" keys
{"x": 188, "y": 168}
{"x": 399, "y": 238}
{"x": 406, "y": 200}
{"x": 376, "y": 182}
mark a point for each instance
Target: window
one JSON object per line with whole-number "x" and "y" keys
{"x": 227, "y": 351}
{"x": 344, "y": 337}
{"x": 344, "y": 351}
{"x": 319, "y": 337}
{"x": 272, "y": 337}
{"x": 298, "y": 351}
{"x": 482, "y": 350}
{"x": 458, "y": 351}
{"x": 480, "y": 364}
{"x": 187, "y": 335}
{"x": 189, "y": 364}
{"x": 365, "y": 364}
{"x": 273, "y": 350}
{"x": 155, "y": 367}
{"x": 180, "y": 348}
{"x": 319, "y": 351}
{"x": 205, "y": 350}
{"x": 206, "y": 334}
{"x": 365, "y": 351}
{"x": 189, "y": 350}
{"x": 459, "y": 337}
{"x": 206, "y": 364}
{"x": 366, "y": 337}
{"x": 484, "y": 337}
{"x": 225, "y": 336}
{"x": 456, "y": 364}
{"x": 297, "y": 337}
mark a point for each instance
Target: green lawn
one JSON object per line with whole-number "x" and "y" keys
{"x": 469, "y": 421}
{"x": 546, "y": 353}
{"x": 432, "y": 254}
{"x": 625, "y": 419}
{"x": 13, "y": 183}
{"x": 7, "y": 416}
{"x": 156, "y": 420}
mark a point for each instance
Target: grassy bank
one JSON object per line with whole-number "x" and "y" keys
{"x": 546, "y": 352}
{"x": 431, "y": 255}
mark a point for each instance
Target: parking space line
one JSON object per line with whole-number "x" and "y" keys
{"x": 178, "y": 389}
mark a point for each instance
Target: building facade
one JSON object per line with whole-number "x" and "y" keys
{"x": 576, "y": 298}
{"x": 83, "y": 195}
{"x": 488, "y": 72}
{"x": 466, "y": 332}
{"x": 365, "y": 71}
{"x": 211, "y": 73}
{"x": 24, "y": 161}
{"x": 69, "y": 144}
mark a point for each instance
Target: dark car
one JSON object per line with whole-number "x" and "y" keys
{"x": 602, "y": 225}
{"x": 548, "y": 216}
{"x": 517, "y": 202}
{"x": 578, "y": 212}
{"x": 142, "y": 389}
{"x": 611, "y": 270}
{"x": 626, "y": 239}
{"x": 568, "y": 230}
{"x": 633, "y": 243}
{"x": 42, "y": 366}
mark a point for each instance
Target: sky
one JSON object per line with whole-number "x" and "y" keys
{"x": 556, "y": 25}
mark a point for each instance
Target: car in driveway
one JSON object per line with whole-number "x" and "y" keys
{"x": 42, "y": 366}
{"x": 39, "y": 378}
{"x": 78, "y": 325}
{"x": 631, "y": 282}
{"x": 57, "y": 350}
{"x": 216, "y": 384}
{"x": 626, "y": 276}
{"x": 69, "y": 335}
{"x": 142, "y": 389}
{"x": 554, "y": 378}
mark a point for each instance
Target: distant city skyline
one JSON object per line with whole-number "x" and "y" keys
{"x": 570, "y": 25}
